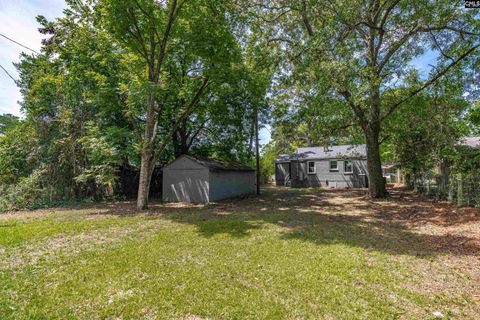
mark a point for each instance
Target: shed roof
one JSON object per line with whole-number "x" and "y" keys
{"x": 330, "y": 152}
{"x": 219, "y": 165}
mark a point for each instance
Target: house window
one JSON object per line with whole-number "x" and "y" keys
{"x": 311, "y": 167}
{"x": 347, "y": 166}
{"x": 333, "y": 165}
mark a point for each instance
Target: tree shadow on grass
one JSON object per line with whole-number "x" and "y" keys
{"x": 331, "y": 217}
{"x": 209, "y": 226}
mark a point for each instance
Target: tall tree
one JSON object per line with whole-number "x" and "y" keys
{"x": 7, "y": 122}
{"x": 146, "y": 28}
{"x": 423, "y": 132}
{"x": 156, "y": 32}
{"x": 359, "y": 51}
{"x": 71, "y": 97}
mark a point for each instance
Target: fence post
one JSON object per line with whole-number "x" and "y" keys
{"x": 467, "y": 191}
{"x": 460, "y": 190}
{"x": 442, "y": 190}
{"x": 451, "y": 189}
{"x": 477, "y": 191}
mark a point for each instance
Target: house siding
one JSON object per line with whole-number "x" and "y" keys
{"x": 185, "y": 180}
{"x": 229, "y": 184}
{"x": 186, "y": 185}
{"x": 325, "y": 178}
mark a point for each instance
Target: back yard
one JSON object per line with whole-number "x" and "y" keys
{"x": 288, "y": 254}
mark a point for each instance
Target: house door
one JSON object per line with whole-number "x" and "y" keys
{"x": 288, "y": 178}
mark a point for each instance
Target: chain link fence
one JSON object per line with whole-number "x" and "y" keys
{"x": 464, "y": 189}
{"x": 461, "y": 189}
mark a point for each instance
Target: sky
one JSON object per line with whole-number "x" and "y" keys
{"x": 17, "y": 21}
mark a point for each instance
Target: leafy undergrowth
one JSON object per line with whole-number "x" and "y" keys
{"x": 287, "y": 254}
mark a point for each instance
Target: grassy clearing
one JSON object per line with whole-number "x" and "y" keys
{"x": 288, "y": 254}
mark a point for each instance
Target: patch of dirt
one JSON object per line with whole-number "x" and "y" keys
{"x": 448, "y": 237}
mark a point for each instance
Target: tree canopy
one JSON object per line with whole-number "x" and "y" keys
{"x": 348, "y": 62}
{"x": 121, "y": 87}
{"x": 118, "y": 83}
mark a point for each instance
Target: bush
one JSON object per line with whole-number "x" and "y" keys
{"x": 26, "y": 194}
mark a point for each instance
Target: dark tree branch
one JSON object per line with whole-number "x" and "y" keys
{"x": 414, "y": 31}
{"x": 189, "y": 108}
{"x": 439, "y": 47}
{"x": 447, "y": 27}
{"x": 279, "y": 39}
{"x": 195, "y": 134}
{"x": 274, "y": 19}
{"x": 431, "y": 81}
{"x": 356, "y": 109}
{"x": 396, "y": 47}
{"x": 138, "y": 34}
{"x": 305, "y": 19}
{"x": 381, "y": 33}
{"x": 174, "y": 9}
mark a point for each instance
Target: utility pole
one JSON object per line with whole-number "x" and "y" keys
{"x": 257, "y": 151}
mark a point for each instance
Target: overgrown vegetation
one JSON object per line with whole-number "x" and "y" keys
{"x": 90, "y": 94}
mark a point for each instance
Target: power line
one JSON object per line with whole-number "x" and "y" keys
{"x": 8, "y": 73}
{"x": 18, "y": 43}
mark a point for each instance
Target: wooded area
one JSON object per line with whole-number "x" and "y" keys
{"x": 121, "y": 88}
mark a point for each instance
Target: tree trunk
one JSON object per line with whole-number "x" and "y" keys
{"x": 257, "y": 152}
{"x": 443, "y": 180}
{"x": 376, "y": 183}
{"x": 460, "y": 200}
{"x": 147, "y": 157}
{"x": 155, "y": 59}
{"x": 182, "y": 130}
{"x": 371, "y": 128}
{"x": 144, "y": 183}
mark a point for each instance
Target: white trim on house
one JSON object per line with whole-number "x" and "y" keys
{"x": 314, "y": 168}
{"x": 345, "y": 167}
{"x": 336, "y": 169}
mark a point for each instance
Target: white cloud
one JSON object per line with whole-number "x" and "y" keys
{"x": 18, "y": 22}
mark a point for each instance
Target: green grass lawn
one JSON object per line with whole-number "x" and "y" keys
{"x": 288, "y": 254}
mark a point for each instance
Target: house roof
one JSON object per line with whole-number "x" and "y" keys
{"x": 330, "y": 152}
{"x": 473, "y": 142}
{"x": 219, "y": 165}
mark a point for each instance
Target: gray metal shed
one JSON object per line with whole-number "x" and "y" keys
{"x": 202, "y": 180}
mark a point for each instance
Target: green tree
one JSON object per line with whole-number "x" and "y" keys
{"x": 359, "y": 51}
{"x": 73, "y": 81}
{"x": 473, "y": 117}
{"x": 7, "y": 122}
{"x": 17, "y": 152}
{"x": 161, "y": 34}
{"x": 422, "y": 134}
